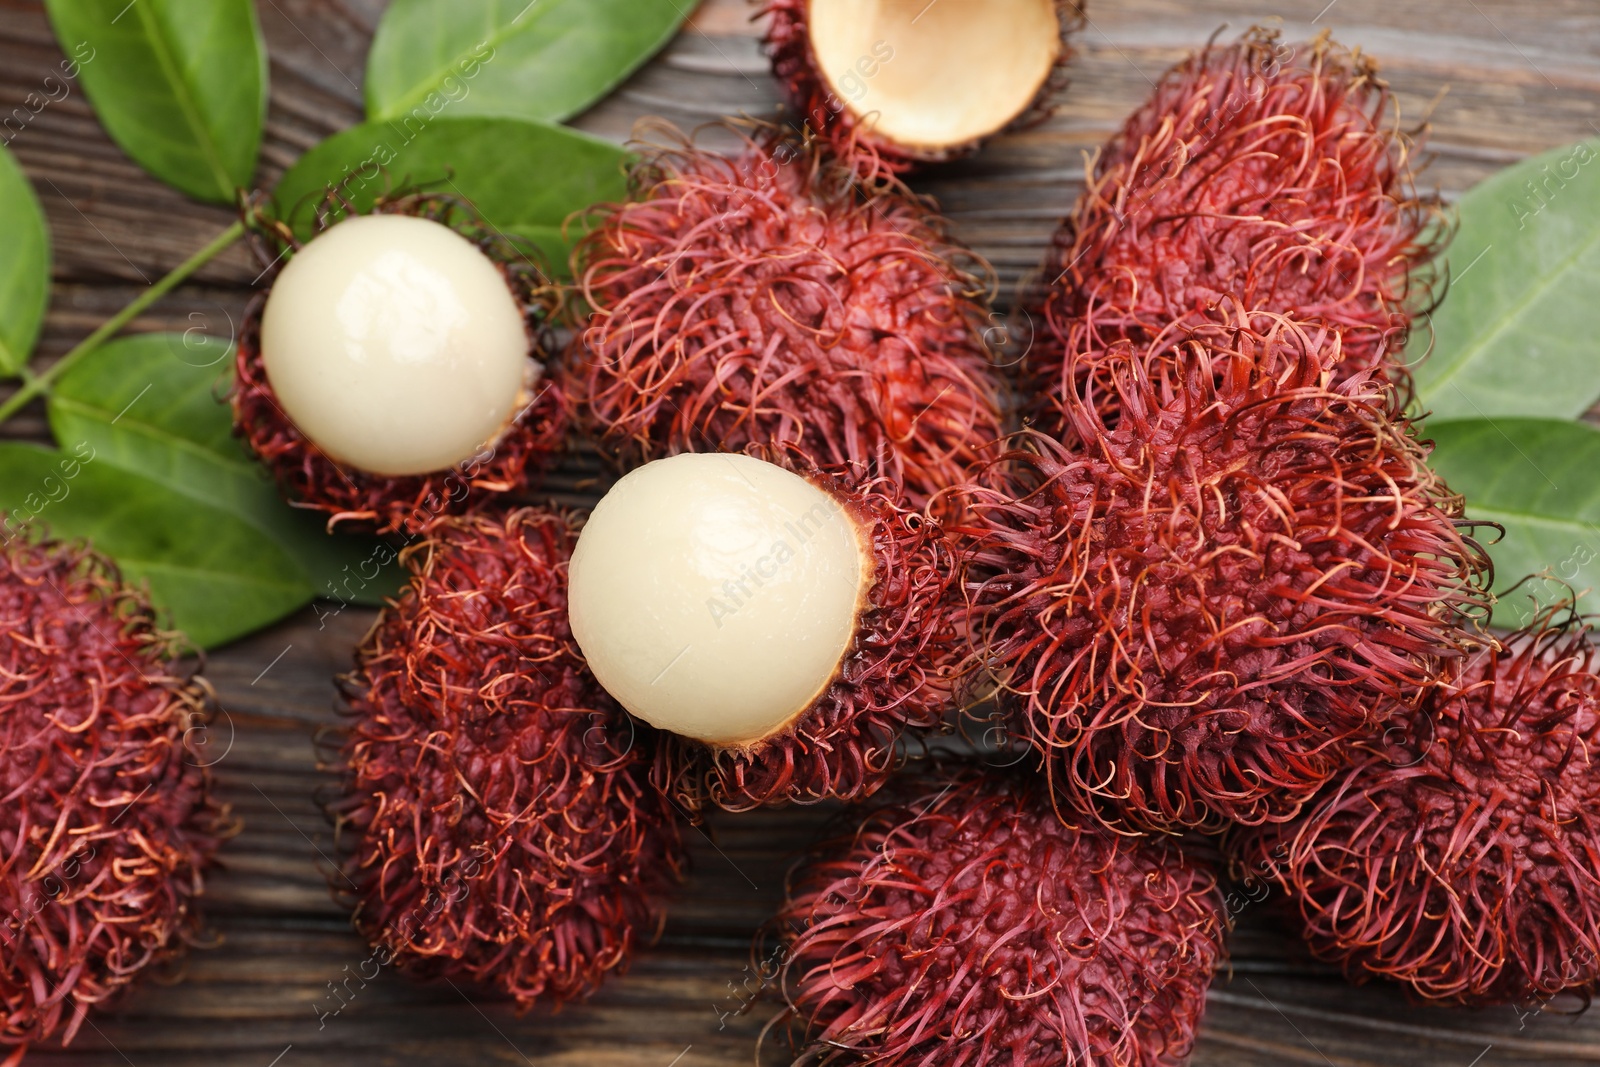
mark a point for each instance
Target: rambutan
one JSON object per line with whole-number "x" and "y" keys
{"x": 1189, "y": 611}
{"x": 392, "y": 373}
{"x": 108, "y": 820}
{"x": 788, "y": 632}
{"x": 503, "y": 827}
{"x": 1458, "y": 853}
{"x": 1260, "y": 175}
{"x": 892, "y": 83}
{"x": 964, "y": 924}
{"x": 764, "y": 299}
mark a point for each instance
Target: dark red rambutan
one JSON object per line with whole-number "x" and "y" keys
{"x": 765, "y": 300}
{"x": 908, "y": 83}
{"x": 503, "y": 827}
{"x": 963, "y": 924}
{"x": 1458, "y": 853}
{"x": 897, "y": 679}
{"x": 1190, "y": 611}
{"x": 310, "y": 476}
{"x": 108, "y": 820}
{"x": 1265, "y": 175}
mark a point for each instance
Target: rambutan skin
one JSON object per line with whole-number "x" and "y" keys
{"x": 764, "y": 300}
{"x": 787, "y": 42}
{"x": 108, "y": 819}
{"x": 359, "y": 500}
{"x": 1261, "y": 174}
{"x": 898, "y": 679}
{"x": 1188, "y": 612}
{"x": 1458, "y": 854}
{"x": 502, "y": 827}
{"x": 965, "y": 925}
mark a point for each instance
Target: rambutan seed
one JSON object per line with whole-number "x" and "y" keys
{"x": 1192, "y": 609}
{"x": 498, "y": 821}
{"x": 390, "y": 373}
{"x": 962, "y": 923}
{"x": 893, "y": 83}
{"x": 764, "y": 300}
{"x": 1457, "y": 854}
{"x": 785, "y": 630}
{"x": 1259, "y": 177}
{"x": 107, "y": 820}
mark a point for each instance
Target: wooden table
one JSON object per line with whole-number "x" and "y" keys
{"x": 1521, "y": 78}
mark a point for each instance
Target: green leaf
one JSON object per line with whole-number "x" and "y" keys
{"x": 150, "y": 404}
{"x": 1516, "y": 332}
{"x": 180, "y": 85}
{"x": 544, "y": 59}
{"x": 218, "y": 576}
{"x": 524, "y": 178}
{"x": 24, "y": 267}
{"x": 1540, "y": 479}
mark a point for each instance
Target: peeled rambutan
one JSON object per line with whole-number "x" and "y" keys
{"x": 503, "y": 829}
{"x": 1188, "y": 612}
{"x": 1268, "y": 176}
{"x": 108, "y": 820}
{"x": 787, "y": 632}
{"x": 964, "y": 924}
{"x": 900, "y": 82}
{"x": 1458, "y": 854}
{"x": 763, "y": 299}
{"x": 392, "y": 371}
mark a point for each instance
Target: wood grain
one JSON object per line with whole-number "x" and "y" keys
{"x": 1515, "y": 79}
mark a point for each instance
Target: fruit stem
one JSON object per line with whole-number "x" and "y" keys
{"x": 34, "y": 384}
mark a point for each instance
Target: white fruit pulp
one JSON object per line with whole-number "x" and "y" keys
{"x": 395, "y": 345}
{"x": 934, "y": 75}
{"x": 715, "y": 595}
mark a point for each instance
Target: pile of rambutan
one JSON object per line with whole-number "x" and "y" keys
{"x": 962, "y": 923}
{"x": 1214, "y": 587}
{"x": 108, "y": 820}
{"x": 766, "y": 300}
{"x": 498, "y": 820}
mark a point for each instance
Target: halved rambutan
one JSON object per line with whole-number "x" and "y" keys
{"x": 107, "y": 820}
{"x": 1268, "y": 176}
{"x": 788, "y": 631}
{"x": 964, "y": 924}
{"x": 1190, "y": 611}
{"x": 893, "y": 83}
{"x": 1458, "y": 854}
{"x": 763, "y": 299}
{"x": 385, "y": 376}
{"x": 502, "y": 825}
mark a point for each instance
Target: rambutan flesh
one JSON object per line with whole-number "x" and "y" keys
{"x": 1458, "y": 854}
{"x": 107, "y": 817}
{"x": 1190, "y": 612}
{"x": 386, "y": 377}
{"x": 502, "y": 826}
{"x": 765, "y": 300}
{"x": 889, "y": 84}
{"x": 964, "y": 924}
{"x": 788, "y": 632}
{"x": 1268, "y": 176}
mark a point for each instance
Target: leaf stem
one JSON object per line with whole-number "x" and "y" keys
{"x": 34, "y": 384}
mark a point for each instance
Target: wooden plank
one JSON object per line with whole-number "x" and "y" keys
{"x": 1520, "y": 78}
